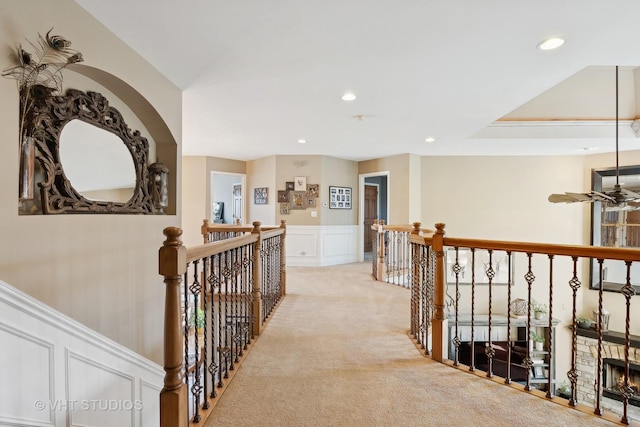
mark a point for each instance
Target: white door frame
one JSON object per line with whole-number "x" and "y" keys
{"x": 362, "y": 176}
{"x": 243, "y": 182}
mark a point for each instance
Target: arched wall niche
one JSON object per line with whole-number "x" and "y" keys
{"x": 166, "y": 145}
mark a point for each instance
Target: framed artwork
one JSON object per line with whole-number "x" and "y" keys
{"x": 284, "y": 208}
{"x": 300, "y": 183}
{"x": 261, "y": 195}
{"x": 283, "y": 196}
{"x": 313, "y": 190}
{"x": 311, "y": 202}
{"x": 499, "y": 264}
{"x": 289, "y": 185}
{"x": 297, "y": 200}
{"x": 339, "y": 197}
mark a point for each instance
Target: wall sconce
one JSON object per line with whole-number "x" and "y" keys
{"x": 158, "y": 181}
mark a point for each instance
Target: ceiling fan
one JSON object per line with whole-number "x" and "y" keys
{"x": 616, "y": 199}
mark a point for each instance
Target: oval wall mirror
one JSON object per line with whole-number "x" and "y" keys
{"x": 87, "y": 153}
{"x": 96, "y": 162}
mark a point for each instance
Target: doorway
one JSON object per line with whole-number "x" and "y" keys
{"x": 227, "y": 197}
{"x": 374, "y": 204}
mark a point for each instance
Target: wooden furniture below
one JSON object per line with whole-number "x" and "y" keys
{"x": 544, "y": 359}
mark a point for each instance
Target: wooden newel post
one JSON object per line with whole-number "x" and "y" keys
{"x": 381, "y": 250}
{"x": 439, "y": 322}
{"x": 283, "y": 259}
{"x": 204, "y": 230}
{"x": 173, "y": 397}
{"x": 257, "y": 280}
{"x": 415, "y": 284}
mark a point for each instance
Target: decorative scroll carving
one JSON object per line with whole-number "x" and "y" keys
{"x": 57, "y": 193}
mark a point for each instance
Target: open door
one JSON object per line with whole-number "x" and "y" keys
{"x": 237, "y": 203}
{"x": 370, "y": 213}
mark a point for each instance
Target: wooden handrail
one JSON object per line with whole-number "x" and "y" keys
{"x": 597, "y": 252}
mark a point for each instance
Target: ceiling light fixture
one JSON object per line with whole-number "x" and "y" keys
{"x": 551, "y": 43}
{"x": 429, "y": 139}
{"x": 302, "y": 141}
{"x": 349, "y": 97}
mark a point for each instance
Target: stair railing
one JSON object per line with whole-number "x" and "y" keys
{"x": 472, "y": 269}
{"x": 219, "y": 296}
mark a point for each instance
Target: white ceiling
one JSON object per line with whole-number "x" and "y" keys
{"x": 259, "y": 75}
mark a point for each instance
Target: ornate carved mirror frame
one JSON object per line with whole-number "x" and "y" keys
{"x": 58, "y": 196}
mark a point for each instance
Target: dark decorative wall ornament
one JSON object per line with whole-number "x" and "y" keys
{"x": 44, "y": 112}
{"x": 57, "y": 193}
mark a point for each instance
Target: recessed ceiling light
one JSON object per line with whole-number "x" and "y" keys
{"x": 302, "y": 141}
{"x": 429, "y": 139}
{"x": 349, "y": 96}
{"x": 551, "y": 43}
{"x": 588, "y": 148}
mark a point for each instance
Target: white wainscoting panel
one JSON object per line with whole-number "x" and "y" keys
{"x": 315, "y": 246}
{"x": 57, "y": 372}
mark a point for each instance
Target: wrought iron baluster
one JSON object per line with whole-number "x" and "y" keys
{"x": 195, "y": 288}
{"x": 507, "y": 380}
{"x": 527, "y": 362}
{"x": 628, "y": 291}
{"x": 222, "y": 361}
{"x": 205, "y": 335}
{"x": 213, "y": 366}
{"x": 598, "y": 384}
{"x": 473, "y": 310}
{"x": 572, "y": 375}
{"x": 456, "y": 340}
{"x": 489, "y": 350}
{"x": 550, "y": 330}
{"x": 185, "y": 320}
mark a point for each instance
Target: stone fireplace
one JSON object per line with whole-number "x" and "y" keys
{"x": 612, "y": 369}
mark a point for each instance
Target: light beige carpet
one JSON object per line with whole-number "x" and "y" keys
{"x": 336, "y": 353}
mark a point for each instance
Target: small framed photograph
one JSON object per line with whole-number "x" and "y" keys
{"x": 339, "y": 197}
{"x": 284, "y": 208}
{"x": 313, "y": 190}
{"x": 283, "y": 196}
{"x": 538, "y": 371}
{"x": 261, "y": 195}
{"x": 289, "y": 185}
{"x": 311, "y": 202}
{"x": 300, "y": 183}
{"x": 298, "y": 200}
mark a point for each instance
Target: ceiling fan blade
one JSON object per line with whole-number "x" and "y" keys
{"x": 602, "y": 197}
{"x": 631, "y": 194}
{"x": 570, "y": 198}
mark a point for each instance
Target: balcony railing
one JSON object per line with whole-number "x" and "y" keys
{"x": 479, "y": 297}
{"x": 391, "y": 253}
{"x": 219, "y": 296}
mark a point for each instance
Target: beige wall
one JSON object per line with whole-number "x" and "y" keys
{"x": 98, "y": 269}
{"x": 403, "y": 182}
{"x": 196, "y": 191}
{"x": 341, "y": 173}
{"x": 287, "y": 168}
{"x": 262, "y": 173}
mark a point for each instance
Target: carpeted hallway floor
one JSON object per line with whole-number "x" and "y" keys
{"x": 336, "y": 353}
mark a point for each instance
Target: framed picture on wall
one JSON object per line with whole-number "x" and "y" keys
{"x": 261, "y": 195}
{"x": 297, "y": 200}
{"x": 284, "y": 208}
{"x": 339, "y": 197}
{"x": 300, "y": 183}
{"x": 289, "y": 185}
{"x": 313, "y": 190}
{"x": 283, "y": 196}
